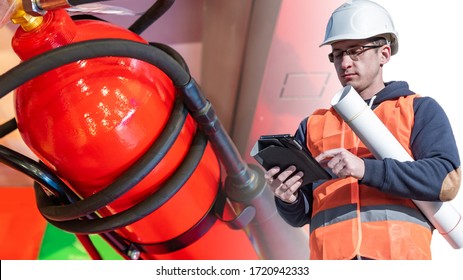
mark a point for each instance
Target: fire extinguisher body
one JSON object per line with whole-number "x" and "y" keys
{"x": 89, "y": 121}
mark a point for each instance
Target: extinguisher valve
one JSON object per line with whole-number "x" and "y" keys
{"x": 39, "y": 7}
{"x": 32, "y": 7}
{"x": 27, "y": 21}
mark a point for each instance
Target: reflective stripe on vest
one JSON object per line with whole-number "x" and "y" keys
{"x": 376, "y": 213}
{"x": 351, "y": 219}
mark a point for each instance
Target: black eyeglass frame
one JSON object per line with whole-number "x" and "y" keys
{"x": 353, "y": 55}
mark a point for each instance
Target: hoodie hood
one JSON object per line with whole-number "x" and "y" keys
{"x": 392, "y": 91}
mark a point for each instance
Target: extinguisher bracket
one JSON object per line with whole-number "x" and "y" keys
{"x": 241, "y": 220}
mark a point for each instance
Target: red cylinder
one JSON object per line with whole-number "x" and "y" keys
{"x": 91, "y": 120}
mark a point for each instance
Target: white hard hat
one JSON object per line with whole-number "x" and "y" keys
{"x": 361, "y": 19}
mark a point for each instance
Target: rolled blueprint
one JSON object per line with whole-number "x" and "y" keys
{"x": 382, "y": 143}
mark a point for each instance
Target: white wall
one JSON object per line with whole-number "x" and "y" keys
{"x": 429, "y": 60}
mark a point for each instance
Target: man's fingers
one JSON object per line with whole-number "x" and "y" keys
{"x": 271, "y": 172}
{"x": 285, "y": 174}
{"x": 288, "y": 193}
{"x": 291, "y": 181}
{"x": 328, "y": 154}
{"x": 290, "y": 187}
{"x": 286, "y": 184}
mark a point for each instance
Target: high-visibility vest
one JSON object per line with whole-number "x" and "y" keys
{"x": 351, "y": 219}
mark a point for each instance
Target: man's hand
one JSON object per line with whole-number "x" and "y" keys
{"x": 286, "y": 185}
{"x": 343, "y": 163}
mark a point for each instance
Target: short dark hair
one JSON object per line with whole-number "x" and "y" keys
{"x": 378, "y": 41}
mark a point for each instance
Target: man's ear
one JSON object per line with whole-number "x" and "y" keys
{"x": 385, "y": 54}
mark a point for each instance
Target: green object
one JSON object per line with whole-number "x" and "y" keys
{"x": 61, "y": 245}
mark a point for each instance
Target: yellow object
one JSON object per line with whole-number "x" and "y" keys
{"x": 27, "y": 21}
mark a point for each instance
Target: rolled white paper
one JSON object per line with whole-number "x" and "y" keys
{"x": 382, "y": 143}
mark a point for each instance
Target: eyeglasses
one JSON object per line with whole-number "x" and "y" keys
{"x": 353, "y": 52}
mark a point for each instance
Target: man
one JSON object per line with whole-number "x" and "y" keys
{"x": 367, "y": 212}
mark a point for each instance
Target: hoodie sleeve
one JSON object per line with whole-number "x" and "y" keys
{"x": 435, "y": 175}
{"x": 298, "y": 213}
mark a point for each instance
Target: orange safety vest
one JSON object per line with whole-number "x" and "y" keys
{"x": 350, "y": 219}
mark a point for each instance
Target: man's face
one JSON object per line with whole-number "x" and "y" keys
{"x": 358, "y": 63}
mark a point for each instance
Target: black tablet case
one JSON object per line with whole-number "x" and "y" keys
{"x": 283, "y": 150}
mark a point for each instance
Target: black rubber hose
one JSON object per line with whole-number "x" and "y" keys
{"x": 86, "y": 17}
{"x": 151, "y": 15}
{"x": 37, "y": 171}
{"x": 58, "y": 57}
{"x": 142, "y": 209}
{"x": 80, "y": 2}
{"x": 111, "y": 237}
{"x": 128, "y": 179}
{"x": 204, "y": 114}
{"x": 173, "y": 53}
{"x": 8, "y": 127}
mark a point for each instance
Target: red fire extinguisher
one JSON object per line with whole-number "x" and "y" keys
{"x": 91, "y": 120}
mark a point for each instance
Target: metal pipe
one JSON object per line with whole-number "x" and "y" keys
{"x": 39, "y": 7}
